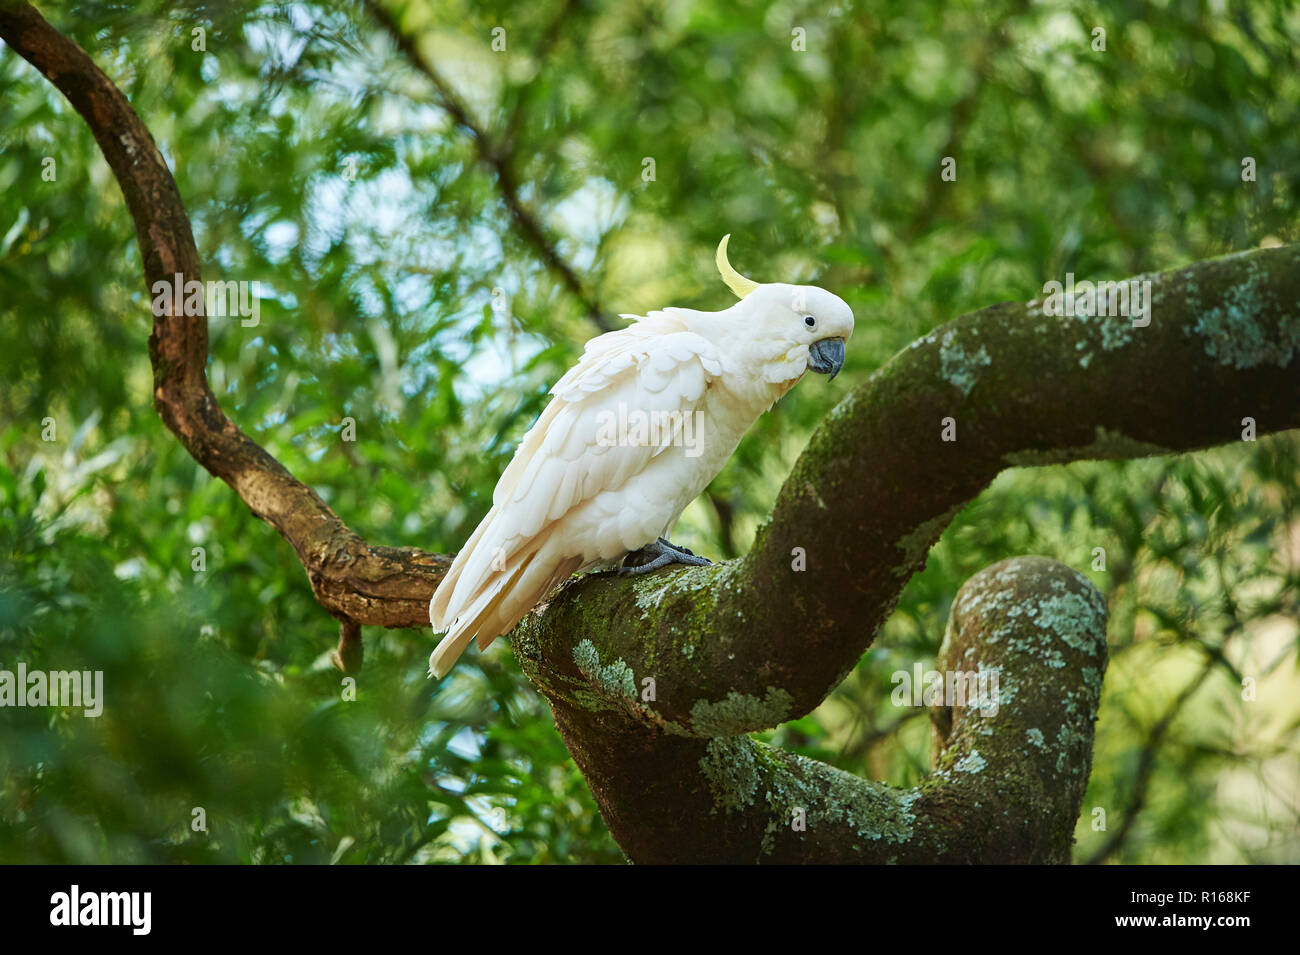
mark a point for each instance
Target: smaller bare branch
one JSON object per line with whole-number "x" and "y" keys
{"x": 498, "y": 157}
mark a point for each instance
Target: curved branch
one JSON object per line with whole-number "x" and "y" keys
{"x": 382, "y": 586}
{"x": 878, "y": 483}
{"x": 1009, "y": 777}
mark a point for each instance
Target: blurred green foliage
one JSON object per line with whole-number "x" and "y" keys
{"x": 316, "y": 161}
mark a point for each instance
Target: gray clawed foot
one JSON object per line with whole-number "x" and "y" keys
{"x": 659, "y": 554}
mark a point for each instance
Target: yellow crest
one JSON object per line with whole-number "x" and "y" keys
{"x": 735, "y": 281}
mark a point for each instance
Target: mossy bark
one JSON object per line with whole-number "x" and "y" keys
{"x": 878, "y": 483}
{"x": 1008, "y": 778}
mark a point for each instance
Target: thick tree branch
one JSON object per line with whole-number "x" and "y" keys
{"x": 878, "y": 483}
{"x": 1008, "y": 780}
{"x": 383, "y": 586}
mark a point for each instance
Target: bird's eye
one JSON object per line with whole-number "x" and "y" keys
{"x": 810, "y": 321}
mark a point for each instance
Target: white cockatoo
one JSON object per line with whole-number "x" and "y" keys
{"x": 633, "y": 433}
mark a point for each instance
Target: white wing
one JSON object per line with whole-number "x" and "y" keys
{"x": 656, "y": 367}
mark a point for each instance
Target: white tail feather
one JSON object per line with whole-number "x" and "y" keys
{"x": 497, "y": 603}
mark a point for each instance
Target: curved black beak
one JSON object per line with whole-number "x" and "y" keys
{"x": 826, "y": 357}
